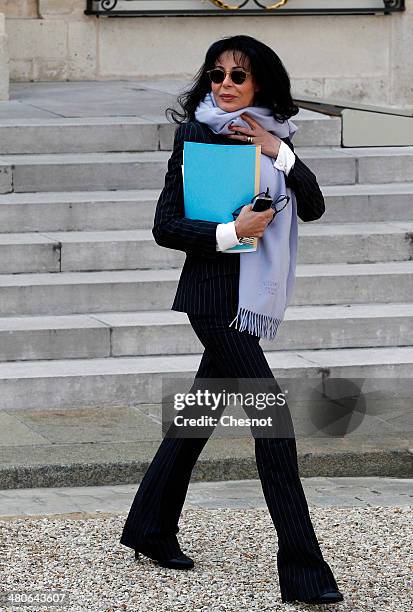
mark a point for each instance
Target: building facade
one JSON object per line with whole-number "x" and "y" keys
{"x": 364, "y": 58}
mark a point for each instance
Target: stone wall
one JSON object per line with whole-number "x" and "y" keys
{"x": 19, "y": 8}
{"x": 354, "y": 58}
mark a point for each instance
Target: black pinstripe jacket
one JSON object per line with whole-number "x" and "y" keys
{"x": 209, "y": 278}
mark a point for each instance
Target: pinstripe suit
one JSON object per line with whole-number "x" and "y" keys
{"x": 209, "y": 279}
{"x": 208, "y": 293}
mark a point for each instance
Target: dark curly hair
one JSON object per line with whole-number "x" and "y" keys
{"x": 267, "y": 70}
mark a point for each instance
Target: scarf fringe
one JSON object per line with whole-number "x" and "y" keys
{"x": 257, "y": 324}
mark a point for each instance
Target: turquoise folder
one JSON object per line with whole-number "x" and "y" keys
{"x": 217, "y": 179}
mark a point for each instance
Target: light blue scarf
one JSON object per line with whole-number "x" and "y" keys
{"x": 267, "y": 275}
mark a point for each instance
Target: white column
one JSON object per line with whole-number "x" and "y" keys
{"x": 4, "y": 60}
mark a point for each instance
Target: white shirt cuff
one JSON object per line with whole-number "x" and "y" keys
{"x": 226, "y": 236}
{"x": 285, "y": 159}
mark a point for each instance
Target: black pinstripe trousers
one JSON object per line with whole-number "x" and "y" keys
{"x": 153, "y": 518}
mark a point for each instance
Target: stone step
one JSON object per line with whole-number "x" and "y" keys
{"x": 114, "y": 334}
{"x": 93, "y": 171}
{"x": 115, "y": 445}
{"x": 104, "y": 134}
{"x": 367, "y": 203}
{"x": 128, "y": 290}
{"x": 131, "y": 381}
{"x": 137, "y": 249}
{"x": 80, "y": 210}
{"x": 80, "y": 135}
{"x": 123, "y": 209}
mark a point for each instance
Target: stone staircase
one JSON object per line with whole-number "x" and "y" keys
{"x": 85, "y": 293}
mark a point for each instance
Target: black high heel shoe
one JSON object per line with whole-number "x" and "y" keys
{"x": 178, "y": 562}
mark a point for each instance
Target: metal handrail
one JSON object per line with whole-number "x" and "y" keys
{"x": 110, "y": 8}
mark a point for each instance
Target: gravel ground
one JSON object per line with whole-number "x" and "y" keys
{"x": 368, "y": 549}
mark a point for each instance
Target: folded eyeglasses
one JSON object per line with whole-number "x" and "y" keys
{"x": 277, "y": 205}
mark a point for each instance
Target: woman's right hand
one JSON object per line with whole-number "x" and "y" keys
{"x": 252, "y": 224}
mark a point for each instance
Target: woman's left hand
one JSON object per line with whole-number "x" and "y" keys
{"x": 270, "y": 144}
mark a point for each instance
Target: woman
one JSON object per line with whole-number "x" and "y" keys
{"x": 241, "y": 80}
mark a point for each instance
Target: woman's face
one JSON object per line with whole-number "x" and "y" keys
{"x": 241, "y": 95}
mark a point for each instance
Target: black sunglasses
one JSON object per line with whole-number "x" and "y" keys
{"x": 238, "y": 75}
{"x": 279, "y": 200}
